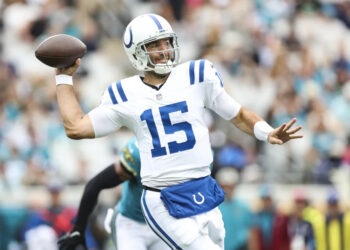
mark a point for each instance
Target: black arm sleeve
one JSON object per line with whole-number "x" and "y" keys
{"x": 107, "y": 178}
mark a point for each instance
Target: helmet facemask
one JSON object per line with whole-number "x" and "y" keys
{"x": 160, "y": 68}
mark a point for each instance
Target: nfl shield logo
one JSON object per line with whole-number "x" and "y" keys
{"x": 159, "y": 97}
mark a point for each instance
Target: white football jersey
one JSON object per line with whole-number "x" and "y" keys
{"x": 168, "y": 123}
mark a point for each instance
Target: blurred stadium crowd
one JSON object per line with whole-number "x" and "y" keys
{"x": 279, "y": 58}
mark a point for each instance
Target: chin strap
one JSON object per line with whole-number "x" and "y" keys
{"x": 163, "y": 69}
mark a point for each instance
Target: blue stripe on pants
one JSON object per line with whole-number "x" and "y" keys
{"x": 147, "y": 214}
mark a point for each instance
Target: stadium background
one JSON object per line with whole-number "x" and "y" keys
{"x": 279, "y": 58}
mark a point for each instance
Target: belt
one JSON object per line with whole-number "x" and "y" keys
{"x": 151, "y": 189}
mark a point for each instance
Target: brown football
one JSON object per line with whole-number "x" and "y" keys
{"x": 60, "y": 51}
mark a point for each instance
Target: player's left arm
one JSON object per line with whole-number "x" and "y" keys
{"x": 254, "y": 125}
{"x": 218, "y": 100}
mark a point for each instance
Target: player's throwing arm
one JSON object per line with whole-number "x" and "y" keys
{"x": 63, "y": 52}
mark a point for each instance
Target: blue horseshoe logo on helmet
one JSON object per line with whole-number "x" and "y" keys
{"x": 195, "y": 199}
{"x": 130, "y": 43}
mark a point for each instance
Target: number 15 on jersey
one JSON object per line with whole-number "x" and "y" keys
{"x": 169, "y": 128}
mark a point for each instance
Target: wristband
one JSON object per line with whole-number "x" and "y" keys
{"x": 64, "y": 79}
{"x": 262, "y": 130}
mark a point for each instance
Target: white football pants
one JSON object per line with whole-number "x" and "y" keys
{"x": 200, "y": 232}
{"x": 133, "y": 235}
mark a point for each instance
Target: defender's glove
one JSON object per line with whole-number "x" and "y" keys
{"x": 74, "y": 240}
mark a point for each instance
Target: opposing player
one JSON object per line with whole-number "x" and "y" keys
{"x": 129, "y": 229}
{"x": 164, "y": 108}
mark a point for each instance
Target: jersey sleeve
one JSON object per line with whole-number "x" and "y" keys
{"x": 105, "y": 118}
{"x": 130, "y": 157}
{"x": 216, "y": 97}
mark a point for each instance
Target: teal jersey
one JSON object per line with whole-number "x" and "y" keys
{"x": 129, "y": 205}
{"x": 237, "y": 220}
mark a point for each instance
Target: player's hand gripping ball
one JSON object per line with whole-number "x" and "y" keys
{"x": 60, "y": 51}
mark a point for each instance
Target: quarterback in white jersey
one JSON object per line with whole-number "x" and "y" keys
{"x": 165, "y": 109}
{"x": 169, "y": 122}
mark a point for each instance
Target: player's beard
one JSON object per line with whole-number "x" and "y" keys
{"x": 156, "y": 75}
{"x": 163, "y": 58}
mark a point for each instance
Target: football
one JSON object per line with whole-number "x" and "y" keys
{"x": 60, "y": 51}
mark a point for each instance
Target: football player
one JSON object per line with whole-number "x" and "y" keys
{"x": 164, "y": 108}
{"x": 128, "y": 227}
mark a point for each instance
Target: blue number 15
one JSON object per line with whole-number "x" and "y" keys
{"x": 169, "y": 128}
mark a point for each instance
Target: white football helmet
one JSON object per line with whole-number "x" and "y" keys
{"x": 145, "y": 29}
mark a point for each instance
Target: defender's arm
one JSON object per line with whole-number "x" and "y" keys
{"x": 110, "y": 177}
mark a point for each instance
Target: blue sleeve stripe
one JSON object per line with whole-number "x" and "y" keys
{"x": 111, "y": 94}
{"x": 192, "y": 72}
{"x": 121, "y": 91}
{"x": 201, "y": 70}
